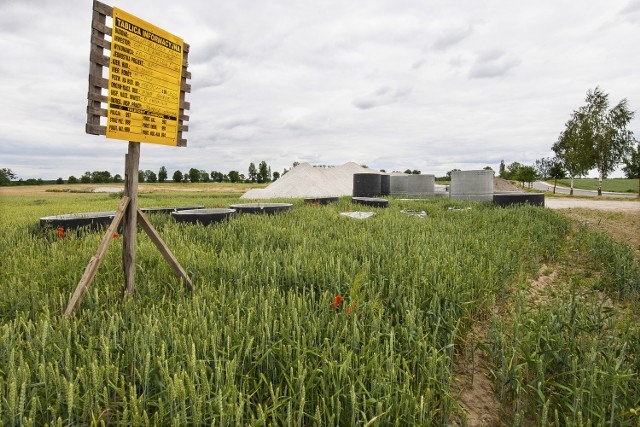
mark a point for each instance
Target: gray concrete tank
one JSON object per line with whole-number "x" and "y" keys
{"x": 475, "y": 185}
{"x": 399, "y": 184}
{"x": 385, "y": 184}
{"x": 421, "y": 185}
{"x": 366, "y": 184}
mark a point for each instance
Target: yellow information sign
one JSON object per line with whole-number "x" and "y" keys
{"x": 145, "y": 72}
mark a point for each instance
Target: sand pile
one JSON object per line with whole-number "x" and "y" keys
{"x": 307, "y": 181}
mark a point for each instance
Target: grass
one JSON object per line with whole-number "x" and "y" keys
{"x": 261, "y": 341}
{"x": 615, "y": 185}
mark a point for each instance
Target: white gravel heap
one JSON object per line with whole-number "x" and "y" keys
{"x": 305, "y": 180}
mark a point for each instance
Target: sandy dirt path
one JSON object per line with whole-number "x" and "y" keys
{"x": 598, "y": 204}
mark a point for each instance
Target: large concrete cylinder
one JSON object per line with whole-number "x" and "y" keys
{"x": 421, "y": 185}
{"x": 399, "y": 184}
{"x": 366, "y": 184}
{"x": 385, "y": 184}
{"x": 474, "y": 185}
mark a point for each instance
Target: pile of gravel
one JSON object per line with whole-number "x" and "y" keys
{"x": 306, "y": 180}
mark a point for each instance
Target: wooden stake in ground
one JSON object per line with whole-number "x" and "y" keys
{"x": 132, "y": 160}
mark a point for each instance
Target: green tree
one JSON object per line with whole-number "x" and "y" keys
{"x": 86, "y": 178}
{"x": 525, "y": 174}
{"x": 204, "y": 176}
{"x": 150, "y": 176}
{"x": 6, "y": 175}
{"x": 162, "y": 174}
{"x": 72, "y": 180}
{"x": 60, "y": 181}
{"x": 449, "y": 173}
{"x": 632, "y": 165}
{"x": 234, "y": 176}
{"x": 117, "y": 178}
{"x": 571, "y": 151}
{"x": 604, "y": 131}
{"x": 253, "y": 172}
{"x": 101, "y": 177}
{"x": 502, "y": 169}
{"x": 263, "y": 172}
{"x": 177, "y": 176}
{"x": 141, "y": 176}
{"x": 276, "y": 175}
{"x": 512, "y": 170}
{"x": 194, "y": 175}
{"x": 543, "y": 165}
{"x": 556, "y": 172}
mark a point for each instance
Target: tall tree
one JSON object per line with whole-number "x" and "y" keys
{"x": 6, "y": 175}
{"x": 253, "y": 172}
{"x": 150, "y": 176}
{"x": 604, "y": 131}
{"x": 571, "y": 151}
{"x": 525, "y": 174}
{"x": 234, "y": 176}
{"x": 502, "y": 169}
{"x": 543, "y": 166}
{"x": 194, "y": 175}
{"x": 177, "y": 176}
{"x": 162, "y": 174}
{"x": 263, "y": 172}
{"x": 632, "y": 165}
{"x": 556, "y": 172}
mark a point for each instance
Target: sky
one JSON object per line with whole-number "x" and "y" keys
{"x": 431, "y": 85}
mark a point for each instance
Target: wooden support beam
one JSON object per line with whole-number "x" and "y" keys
{"x": 96, "y": 260}
{"x": 164, "y": 250}
{"x": 132, "y": 161}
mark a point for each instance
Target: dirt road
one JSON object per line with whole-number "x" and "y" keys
{"x": 598, "y": 204}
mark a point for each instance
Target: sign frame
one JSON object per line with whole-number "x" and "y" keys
{"x": 99, "y": 85}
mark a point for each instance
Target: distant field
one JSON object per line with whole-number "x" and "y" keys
{"x": 616, "y": 185}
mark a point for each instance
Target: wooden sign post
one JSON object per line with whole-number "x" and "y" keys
{"x": 145, "y": 103}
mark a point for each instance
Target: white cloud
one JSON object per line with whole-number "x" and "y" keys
{"x": 427, "y": 85}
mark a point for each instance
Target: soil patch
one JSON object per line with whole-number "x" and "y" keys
{"x": 475, "y": 388}
{"x": 500, "y": 185}
{"x": 622, "y": 225}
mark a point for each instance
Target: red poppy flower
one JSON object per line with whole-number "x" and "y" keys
{"x": 116, "y": 235}
{"x": 348, "y": 310}
{"x": 61, "y": 234}
{"x": 60, "y": 229}
{"x": 337, "y": 301}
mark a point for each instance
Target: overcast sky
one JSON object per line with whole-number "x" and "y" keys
{"x": 394, "y": 84}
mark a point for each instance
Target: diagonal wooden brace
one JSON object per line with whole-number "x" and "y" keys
{"x": 96, "y": 260}
{"x": 164, "y": 250}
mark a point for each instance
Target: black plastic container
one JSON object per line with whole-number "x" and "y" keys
{"x": 508, "y": 199}
{"x": 370, "y": 201}
{"x": 168, "y": 210}
{"x": 321, "y": 200}
{"x": 203, "y": 216}
{"x": 385, "y": 184}
{"x": 366, "y": 184}
{"x": 262, "y": 208}
{"x": 88, "y": 220}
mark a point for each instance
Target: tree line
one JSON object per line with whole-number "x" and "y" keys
{"x": 256, "y": 174}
